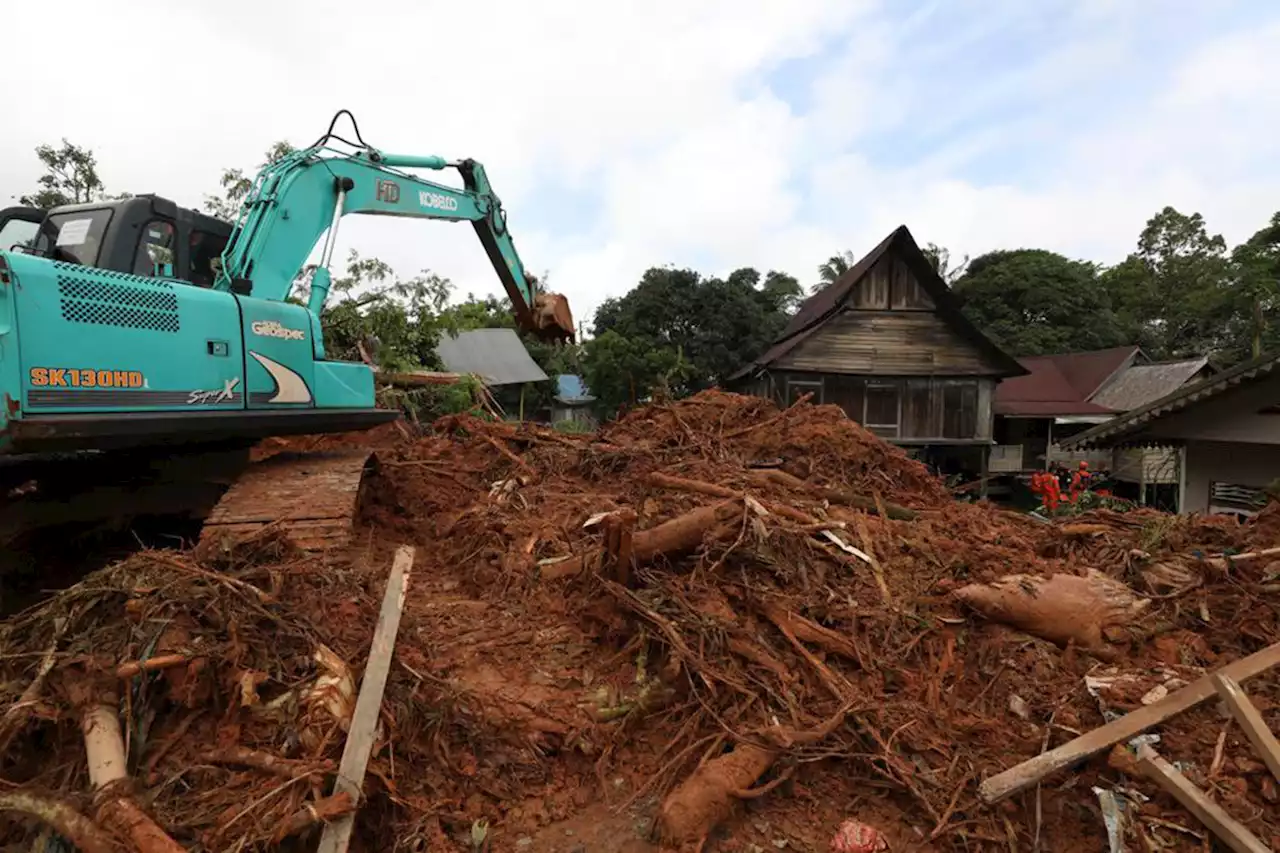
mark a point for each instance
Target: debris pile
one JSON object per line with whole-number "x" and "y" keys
{"x": 713, "y": 622}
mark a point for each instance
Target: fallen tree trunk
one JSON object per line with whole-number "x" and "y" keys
{"x": 679, "y": 534}
{"x": 86, "y": 835}
{"x": 1062, "y": 609}
{"x": 702, "y": 801}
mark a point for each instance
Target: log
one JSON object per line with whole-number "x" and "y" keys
{"x": 1062, "y": 609}
{"x": 364, "y": 722}
{"x": 1032, "y": 771}
{"x": 705, "y": 799}
{"x": 681, "y": 533}
{"x": 65, "y": 820}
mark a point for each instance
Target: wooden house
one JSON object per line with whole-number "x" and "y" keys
{"x": 887, "y": 343}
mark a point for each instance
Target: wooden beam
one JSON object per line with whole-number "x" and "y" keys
{"x": 1229, "y": 830}
{"x": 1255, "y": 728}
{"x": 1032, "y": 771}
{"x": 364, "y": 721}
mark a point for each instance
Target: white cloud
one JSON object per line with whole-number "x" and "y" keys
{"x": 667, "y": 121}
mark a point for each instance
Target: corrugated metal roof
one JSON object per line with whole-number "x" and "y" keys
{"x": 1129, "y": 426}
{"x": 1142, "y": 383}
{"x": 571, "y": 389}
{"x": 1061, "y": 384}
{"x": 495, "y": 355}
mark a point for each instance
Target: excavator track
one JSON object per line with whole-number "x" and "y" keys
{"x": 311, "y": 497}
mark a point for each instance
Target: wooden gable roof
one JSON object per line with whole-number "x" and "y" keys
{"x": 825, "y": 305}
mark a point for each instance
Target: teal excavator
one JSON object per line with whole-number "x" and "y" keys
{"x": 145, "y": 348}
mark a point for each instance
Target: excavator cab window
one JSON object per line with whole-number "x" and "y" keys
{"x": 74, "y": 237}
{"x": 205, "y": 253}
{"x": 17, "y": 233}
{"x": 155, "y": 255}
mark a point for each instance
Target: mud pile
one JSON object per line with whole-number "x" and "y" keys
{"x": 712, "y": 619}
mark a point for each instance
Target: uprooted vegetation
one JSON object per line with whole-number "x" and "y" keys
{"x": 711, "y": 621}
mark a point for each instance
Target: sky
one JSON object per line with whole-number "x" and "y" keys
{"x": 714, "y": 134}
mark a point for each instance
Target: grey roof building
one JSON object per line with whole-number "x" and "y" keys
{"x": 497, "y": 356}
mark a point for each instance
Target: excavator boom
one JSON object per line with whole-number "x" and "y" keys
{"x": 305, "y": 195}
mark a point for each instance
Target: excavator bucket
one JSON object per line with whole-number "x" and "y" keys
{"x": 552, "y": 318}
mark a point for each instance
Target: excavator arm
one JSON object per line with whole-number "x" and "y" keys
{"x": 305, "y": 195}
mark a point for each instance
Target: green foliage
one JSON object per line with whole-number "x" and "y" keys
{"x": 622, "y": 371}
{"x": 1036, "y": 302}
{"x": 940, "y": 259}
{"x": 1256, "y": 294}
{"x": 572, "y": 427}
{"x": 834, "y": 267}
{"x": 1175, "y": 294}
{"x": 396, "y": 320}
{"x": 427, "y": 403}
{"x": 236, "y": 184}
{"x": 71, "y": 177}
{"x": 682, "y": 332}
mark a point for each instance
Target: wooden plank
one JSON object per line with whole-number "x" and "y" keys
{"x": 364, "y": 721}
{"x": 1229, "y": 830}
{"x": 1071, "y": 753}
{"x": 1247, "y": 715}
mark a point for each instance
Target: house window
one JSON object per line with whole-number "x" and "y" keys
{"x": 798, "y": 388}
{"x": 883, "y": 409}
{"x": 847, "y": 392}
{"x": 155, "y": 250}
{"x": 960, "y": 410}
{"x": 1235, "y": 499}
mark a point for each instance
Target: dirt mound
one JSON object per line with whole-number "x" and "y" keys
{"x": 711, "y": 620}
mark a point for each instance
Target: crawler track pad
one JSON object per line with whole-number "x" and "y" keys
{"x": 312, "y": 497}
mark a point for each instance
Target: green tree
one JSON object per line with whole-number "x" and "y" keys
{"x": 784, "y": 291}
{"x": 717, "y": 324}
{"x": 1255, "y": 296}
{"x": 71, "y": 177}
{"x": 834, "y": 267}
{"x": 622, "y": 371}
{"x": 236, "y": 184}
{"x": 1176, "y": 291}
{"x": 393, "y": 319}
{"x": 940, "y": 259}
{"x": 1036, "y": 302}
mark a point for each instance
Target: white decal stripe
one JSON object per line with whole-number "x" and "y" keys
{"x": 290, "y": 387}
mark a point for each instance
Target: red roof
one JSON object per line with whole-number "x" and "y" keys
{"x": 1061, "y": 384}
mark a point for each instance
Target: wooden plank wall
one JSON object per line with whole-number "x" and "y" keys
{"x": 888, "y": 343}
{"x": 928, "y": 407}
{"x": 890, "y": 328}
